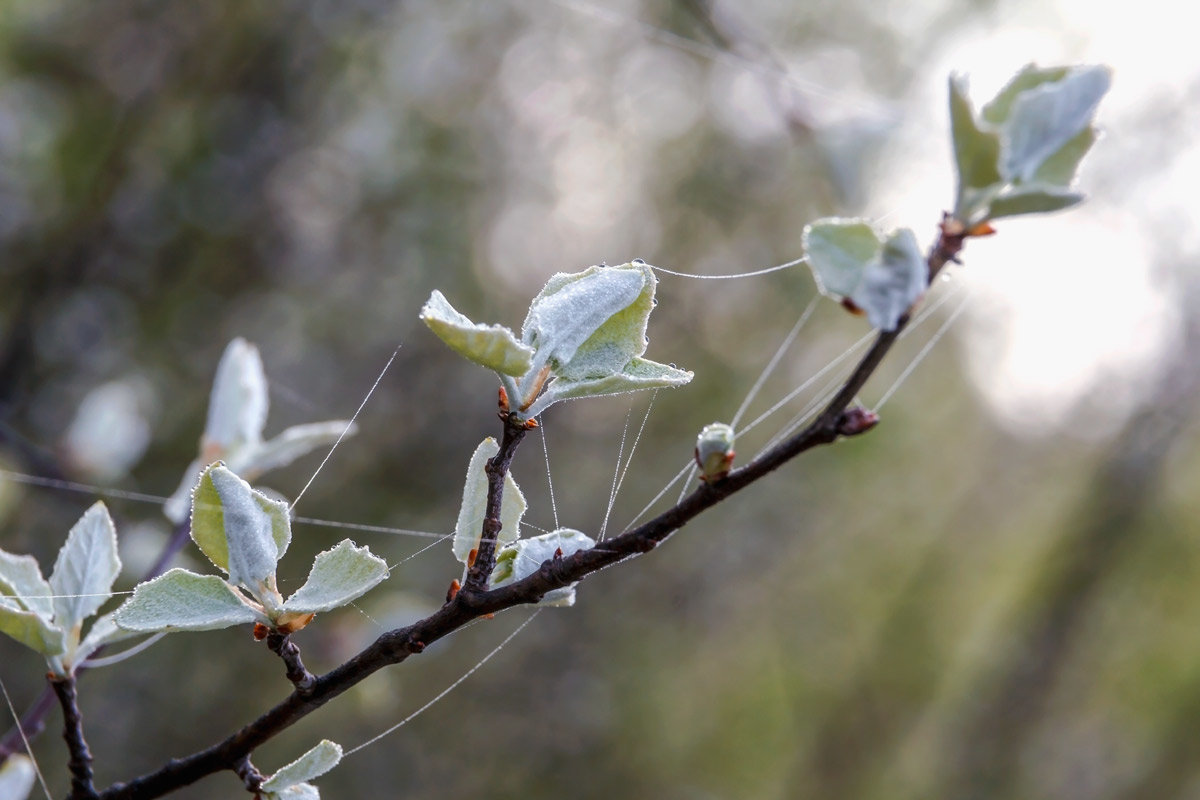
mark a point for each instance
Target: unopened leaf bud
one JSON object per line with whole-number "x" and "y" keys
{"x": 714, "y": 451}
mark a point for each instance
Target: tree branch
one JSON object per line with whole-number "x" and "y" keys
{"x": 474, "y": 601}
{"x": 497, "y": 469}
{"x": 80, "y": 763}
{"x": 281, "y": 644}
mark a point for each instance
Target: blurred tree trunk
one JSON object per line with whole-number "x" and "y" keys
{"x": 984, "y": 749}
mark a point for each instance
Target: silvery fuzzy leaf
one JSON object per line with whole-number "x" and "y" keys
{"x": 468, "y": 530}
{"x": 892, "y": 282}
{"x": 21, "y": 578}
{"x": 1045, "y": 118}
{"x": 493, "y": 346}
{"x": 86, "y": 567}
{"x": 521, "y": 559}
{"x": 638, "y": 374}
{"x": 881, "y": 277}
{"x": 1031, "y": 198}
{"x": 837, "y": 251}
{"x": 179, "y": 600}
{"x": 237, "y": 406}
{"x": 574, "y": 309}
{"x": 316, "y": 762}
{"x": 976, "y": 151}
{"x": 31, "y": 629}
{"x": 292, "y": 443}
{"x": 338, "y": 576}
{"x": 17, "y": 776}
{"x": 241, "y": 530}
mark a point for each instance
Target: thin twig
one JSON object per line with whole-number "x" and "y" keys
{"x": 475, "y": 601}
{"x": 497, "y": 469}
{"x": 252, "y": 779}
{"x": 282, "y": 645}
{"x": 80, "y": 763}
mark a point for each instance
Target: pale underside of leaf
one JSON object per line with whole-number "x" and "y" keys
{"x": 521, "y": 559}
{"x": 639, "y": 374}
{"x": 1044, "y": 119}
{"x": 493, "y": 346}
{"x": 620, "y": 339}
{"x": 238, "y": 404}
{"x": 292, "y": 443}
{"x": 21, "y": 578}
{"x": 241, "y": 530}
{"x": 179, "y": 600}
{"x": 17, "y": 776}
{"x": 86, "y": 567}
{"x": 893, "y": 282}
{"x": 572, "y": 307}
{"x": 338, "y": 576}
{"x": 468, "y": 530}
{"x": 997, "y": 111}
{"x": 299, "y": 791}
{"x": 316, "y": 762}
{"x": 837, "y": 251}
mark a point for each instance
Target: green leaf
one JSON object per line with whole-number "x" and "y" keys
{"x": 637, "y": 375}
{"x": 1060, "y": 168}
{"x": 493, "y": 346}
{"x": 338, "y": 576}
{"x": 21, "y": 578}
{"x": 179, "y": 600}
{"x": 1046, "y": 118}
{"x": 1031, "y": 76}
{"x": 241, "y": 530}
{"x": 86, "y": 567}
{"x": 1032, "y": 198}
{"x": 572, "y": 308}
{"x": 31, "y": 629}
{"x": 292, "y": 443}
{"x": 316, "y": 762}
{"x": 523, "y": 558}
{"x": 17, "y": 775}
{"x": 838, "y": 250}
{"x": 468, "y": 530}
{"x": 237, "y": 407}
{"x": 299, "y": 791}
{"x": 883, "y": 278}
{"x": 620, "y": 339}
{"x": 893, "y": 282}
{"x": 976, "y": 151}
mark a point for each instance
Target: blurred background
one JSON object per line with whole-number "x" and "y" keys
{"x": 992, "y": 595}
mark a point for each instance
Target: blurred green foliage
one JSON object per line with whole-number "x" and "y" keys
{"x": 937, "y": 609}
